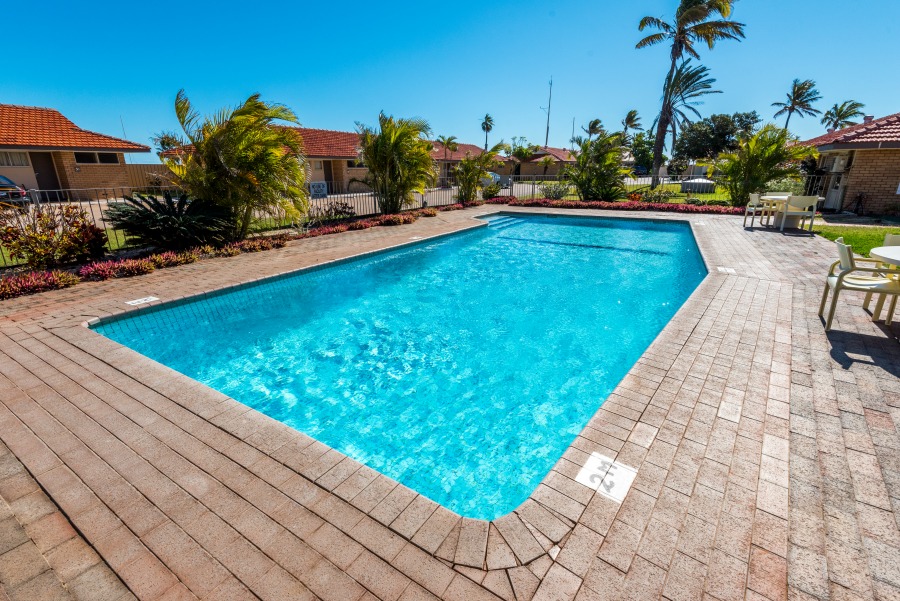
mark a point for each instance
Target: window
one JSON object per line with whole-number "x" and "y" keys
{"x": 86, "y": 157}
{"x": 92, "y": 158}
{"x": 317, "y": 164}
{"x": 13, "y": 159}
{"x": 356, "y": 165}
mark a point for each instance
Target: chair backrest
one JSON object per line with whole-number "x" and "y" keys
{"x": 892, "y": 240}
{"x": 845, "y": 252}
{"x": 785, "y": 194}
{"x": 754, "y": 200}
{"x": 803, "y": 202}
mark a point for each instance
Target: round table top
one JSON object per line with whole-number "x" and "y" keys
{"x": 888, "y": 254}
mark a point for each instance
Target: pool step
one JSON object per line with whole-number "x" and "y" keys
{"x": 503, "y": 222}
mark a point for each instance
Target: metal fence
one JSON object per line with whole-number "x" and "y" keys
{"x": 343, "y": 199}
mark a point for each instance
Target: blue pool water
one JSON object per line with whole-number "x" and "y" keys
{"x": 462, "y": 367}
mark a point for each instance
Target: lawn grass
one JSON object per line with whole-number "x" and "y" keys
{"x": 863, "y": 238}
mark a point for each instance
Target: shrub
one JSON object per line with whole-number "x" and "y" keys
{"x": 472, "y": 172}
{"x": 429, "y": 212}
{"x": 170, "y": 222}
{"x": 635, "y": 197}
{"x": 718, "y": 203}
{"x": 555, "y": 191}
{"x": 491, "y": 190}
{"x": 625, "y": 206}
{"x": 660, "y": 195}
{"x": 101, "y": 270}
{"x": 51, "y": 235}
{"x": 598, "y": 173}
{"x": 34, "y": 282}
{"x": 173, "y": 259}
{"x": 695, "y": 201}
{"x": 127, "y": 268}
{"x": 791, "y": 185}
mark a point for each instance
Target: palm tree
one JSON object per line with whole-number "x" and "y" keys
{"x": 839, "y": 116}
{"x": 680, "y": 96}
{"x": 398, "y": 155}
{"x": 486, "y": 126}
{"x": 594, "y": 127}
{"x": 799, "y": 100}
{"x": 548, "y": 161}
{"x": 472, "y": 172}
{"x": 449, "y": 144}
{"x": 631, "y": 121}
{"x": 241, "y": 159}
{"x": 693, "y": 23}
{"x": 768, "y": 155}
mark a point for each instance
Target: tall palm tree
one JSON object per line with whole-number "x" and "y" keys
{"x": 398, "y": 155}
{"x": 694, "y": 23}
{"x": 486, "y": 126}
{"x": 594, "y": 127}
{"x": 840, "y": 115}
{"x": 799, "y": 100}
{"x": 681, "y": 96}
{"x": 631, "y": 121}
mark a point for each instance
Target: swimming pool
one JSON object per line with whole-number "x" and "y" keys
{"x": 462, "y": 367}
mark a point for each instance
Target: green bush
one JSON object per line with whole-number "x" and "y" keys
{"x": 491, "y": 190}
{"x": 47, "y": 236}
{"x": 598, "y": 173}
{"x": 695, "y": 201}
{"x": 718, "y": 203}
{"x": 171, "y": 223}
{"x": 792, "y": 185}
{"x": 659, "y": 195}
{"x": 555, "y": 191}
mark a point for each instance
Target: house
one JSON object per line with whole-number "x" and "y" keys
{"x": 333, "y": 157}
{"x": 862, "y": 160}
{"x": 562, "y": 157}
{"x": 41, "y": 149}
{"x": 447, "y": 160}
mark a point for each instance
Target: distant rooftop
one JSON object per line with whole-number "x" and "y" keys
{"x": 877, "y": 133}
{"x": 44, "y": 128}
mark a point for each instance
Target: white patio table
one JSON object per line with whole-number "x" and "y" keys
{"x": 889, "y": 255}
{"x": 776, "y": 207}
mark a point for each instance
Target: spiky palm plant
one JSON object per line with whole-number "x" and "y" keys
{"x": 547, "y": 161}
{"x": 841, "y": 115}
{"x": 767, "y": 155}
{"x": 398, "y": 155}
{"x": 598, "y": 173}
{"x": 241, "y": 159}
{"x": 799, "y": 100}
{"x": 473, "y": 170}
{"x": 694, "y": 23}
{"x": 486, "y": 126}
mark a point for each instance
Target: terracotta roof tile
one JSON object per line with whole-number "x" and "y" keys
{"x": 458, "y": 154}
{"x": 36, "y": 127}
{"x": 324, "y": 143}
{"x": 886, "y": 129}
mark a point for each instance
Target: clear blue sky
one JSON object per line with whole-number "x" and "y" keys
{"x": 336, "y": 63}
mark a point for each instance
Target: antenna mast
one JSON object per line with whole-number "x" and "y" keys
{"x": 549, "y": 100}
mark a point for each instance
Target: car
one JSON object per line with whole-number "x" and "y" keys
{"x": 640, "y": 170}
{"x": 10, "y": 193}
{"x": 490, "y": 178}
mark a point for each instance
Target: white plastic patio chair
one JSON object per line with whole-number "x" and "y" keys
{"x": 756, "y": 207}
{"x": 799, "y": 206}
{"x": 870, "y": 280}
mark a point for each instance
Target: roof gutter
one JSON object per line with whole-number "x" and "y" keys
{"x": 860, "y": 146}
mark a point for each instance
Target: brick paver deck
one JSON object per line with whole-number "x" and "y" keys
{"x": 767, "y": 454}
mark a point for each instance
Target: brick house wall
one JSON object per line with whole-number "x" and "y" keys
{"x": 877, "y": 174}
{"x": 75, "y": 176}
